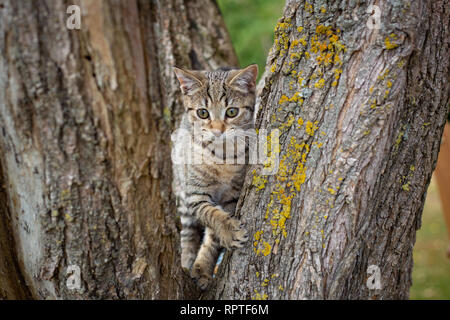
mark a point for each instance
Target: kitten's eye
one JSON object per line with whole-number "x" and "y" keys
{"x": 232, "y": 112}
{"x": 202, "y": 113}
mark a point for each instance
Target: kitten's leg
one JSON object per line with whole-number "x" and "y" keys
{"x": 230, "y": 206}
{"x": 190, "y": 235}
{"x": 227, "y": 229}
{"x": 190, "y": 243}
{"x": 205, "y": 262}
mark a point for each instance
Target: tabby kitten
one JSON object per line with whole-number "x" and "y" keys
{"x": 217, "y": 104}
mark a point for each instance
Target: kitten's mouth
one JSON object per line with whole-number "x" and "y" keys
{"x": 228, "y": 136}
{"x": 223, "y": 136}
{"x": 208, "y": 135}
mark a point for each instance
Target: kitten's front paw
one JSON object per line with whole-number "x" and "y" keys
{"x": 187, "y": 260}
{"x": 201, "y": 276}
{"x": 234, "y": 235}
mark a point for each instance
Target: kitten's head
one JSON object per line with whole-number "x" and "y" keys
{"x": 219, "y": 101}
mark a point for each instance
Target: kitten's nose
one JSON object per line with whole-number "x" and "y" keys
{"x": 217, "y": 128}
{"x": 216, "y": 132}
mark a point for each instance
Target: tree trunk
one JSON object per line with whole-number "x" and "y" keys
{"x": 86, "y": 207}
{"x": 360, "y": 111}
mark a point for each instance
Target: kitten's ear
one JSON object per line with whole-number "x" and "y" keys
{"x": 190, "y": 81}
{"x": 244, "y": 80}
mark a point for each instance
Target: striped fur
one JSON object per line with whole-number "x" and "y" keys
{"x": 207, "y": 193}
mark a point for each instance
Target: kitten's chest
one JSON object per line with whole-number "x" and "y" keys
{"x": 227, "y": 173}
{"x": 230, "y": 178}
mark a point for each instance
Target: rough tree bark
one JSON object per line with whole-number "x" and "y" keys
{"x": 361, "y": 113}
{"x": 86, "y": 117}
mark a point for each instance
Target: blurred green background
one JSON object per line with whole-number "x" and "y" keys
{"x": 431, "y": 272}
{"x": 251, "y": 24}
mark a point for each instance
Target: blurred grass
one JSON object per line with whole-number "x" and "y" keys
{"x": 251, "y": 24}
{"x": 431, "y": 272}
